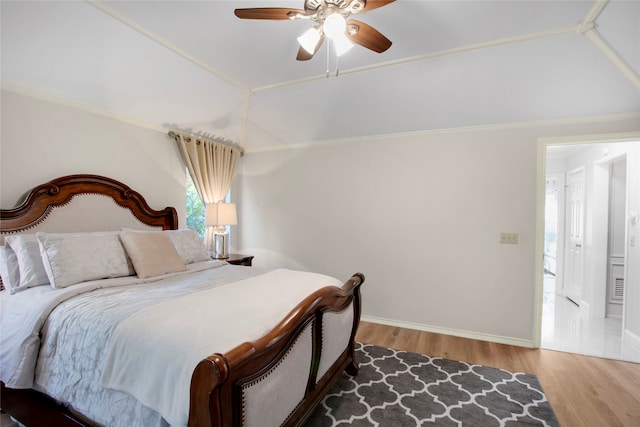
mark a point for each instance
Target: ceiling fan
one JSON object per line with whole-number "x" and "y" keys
{"x": 331, "y": 20}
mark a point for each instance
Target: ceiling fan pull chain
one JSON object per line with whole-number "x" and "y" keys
{"x": 328, "y": 52}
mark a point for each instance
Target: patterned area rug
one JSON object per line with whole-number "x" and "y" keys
{"x": 397, "y": 388}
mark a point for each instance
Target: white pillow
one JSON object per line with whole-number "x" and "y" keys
{"x": 189, "y": 245}
{"x": 32, "y": 270}
{"x": 186, "y": 241}
{"x": 71, "y": 258}
{"x": 9, "y": 268}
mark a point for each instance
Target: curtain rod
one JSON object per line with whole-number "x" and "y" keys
{"x": 233, "y": 145}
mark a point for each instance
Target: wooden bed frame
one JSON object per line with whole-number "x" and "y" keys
{"x": 219, "y": 382}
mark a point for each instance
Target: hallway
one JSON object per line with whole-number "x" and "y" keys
{"x": 566, "y": 328}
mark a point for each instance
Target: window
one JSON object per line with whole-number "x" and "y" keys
{"x": 195, "y": 208}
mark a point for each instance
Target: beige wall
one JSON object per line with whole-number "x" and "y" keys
{"x": 420, "y": 215}
{"x": 41, "y": 140}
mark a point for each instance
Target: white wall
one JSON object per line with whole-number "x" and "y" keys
{"x": 41, "y": 140}
{"x": 617, "y": 212}
{"x": 419, "y": 215}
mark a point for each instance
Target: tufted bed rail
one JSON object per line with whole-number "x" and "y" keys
{"x": 318, "y": 335}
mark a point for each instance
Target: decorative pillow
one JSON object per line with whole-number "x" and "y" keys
{"x": 152, "y": 253}
{"x": 71, "y": 258}
{"x": 9, "y": 268}
{"x": 187, "y": 243}
{"x": 30, "y": 265}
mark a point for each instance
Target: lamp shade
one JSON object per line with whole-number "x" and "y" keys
{"x": 309, "y": 40}
{"x": 342, "y": 44}
{"x": 221, "y": 214}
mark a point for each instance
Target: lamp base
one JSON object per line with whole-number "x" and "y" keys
{"x": 220, "y": 243}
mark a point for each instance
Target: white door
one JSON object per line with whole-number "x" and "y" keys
{"x": 575, "y": 231}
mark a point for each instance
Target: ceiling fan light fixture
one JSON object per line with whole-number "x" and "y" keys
{"x": 334, "y": 26}
{"x": 342, "y": 44}
{"x": 329, "y": 19}
{"x": 309, "y": 40}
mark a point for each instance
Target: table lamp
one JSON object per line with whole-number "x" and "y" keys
{"x": 218, "y": 216}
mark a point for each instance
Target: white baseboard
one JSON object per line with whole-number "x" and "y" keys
{"x": 631, "y": 339}
{"x": 455, "y": 332}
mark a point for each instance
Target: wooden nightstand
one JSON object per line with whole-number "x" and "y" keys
{"x": 238, "y": 259}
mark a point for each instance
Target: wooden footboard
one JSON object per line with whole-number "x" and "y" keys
{"x": 221, "y": 385}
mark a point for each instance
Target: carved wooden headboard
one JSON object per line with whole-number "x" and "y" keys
{"x": 79, "y": 203}
{"x": 82, "y": 203}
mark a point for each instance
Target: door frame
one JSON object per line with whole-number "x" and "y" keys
{"x": 602, "y": 187}
{"x": 559, "y": 277}
{"x": 541, "y": 167}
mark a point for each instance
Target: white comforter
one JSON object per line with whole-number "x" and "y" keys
{"x": 70, "y": 364}
{"x": 153, "y": 353}
{"x": 22, "y": 316}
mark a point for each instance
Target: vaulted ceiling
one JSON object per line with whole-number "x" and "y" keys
{"x": 194, "y": 66}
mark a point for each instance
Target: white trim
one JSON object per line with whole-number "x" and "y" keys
{"x": 478, "y": 128}
{"x": 173, "y": 48}
{"x": 595, "y": 11}
{"x": 620, "y": 137}
{"x": 631, "y": 339}
{"x": 465, "y": 49}
{"x": 599, "y": 41}
{"x": 585, "y": 308}
{"x": 245, "y": 119}
{"x": 22, "y": 90}
{"x": 591, "y": 139}
{"x": 538, "y": 292}
{"x": 447, "y": 331}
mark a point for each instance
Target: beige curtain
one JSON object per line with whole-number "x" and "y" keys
{"x": 212, "y": 165}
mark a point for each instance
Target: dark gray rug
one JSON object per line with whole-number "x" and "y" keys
{"x": 397, "y": 388}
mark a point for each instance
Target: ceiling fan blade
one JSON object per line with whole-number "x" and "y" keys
{"x": 303, "y": 55}
{"x": 374, "y": 4}
{"x": 368, "y": 37}
{"x": 274, "y": 13}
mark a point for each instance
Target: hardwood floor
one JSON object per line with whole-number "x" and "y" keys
{"x": 583, "y": 390}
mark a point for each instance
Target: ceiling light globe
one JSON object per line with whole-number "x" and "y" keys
{"x": 334, "y": 26}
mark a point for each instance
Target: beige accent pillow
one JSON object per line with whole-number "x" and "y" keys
{"x": 187, "y": 243}
{"x": 152, "y": 254}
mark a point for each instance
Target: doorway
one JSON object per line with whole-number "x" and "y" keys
{"x": 583, "y": 288}
{"x": 574, "y": 238}
{"x": 553, "y": 231}
{"x": 614, "y": 295}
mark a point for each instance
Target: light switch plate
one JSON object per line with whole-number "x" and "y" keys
{"x": 509, "y": 238}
